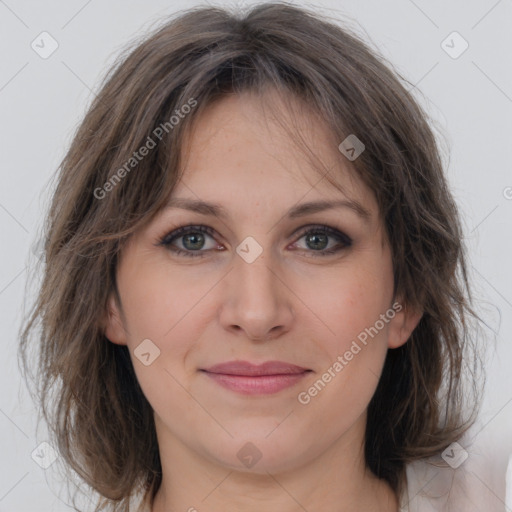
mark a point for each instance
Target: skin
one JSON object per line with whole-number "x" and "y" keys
{"x": 287, "y": 305}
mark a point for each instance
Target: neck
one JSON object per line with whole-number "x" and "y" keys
{"x": 336, "y": 481}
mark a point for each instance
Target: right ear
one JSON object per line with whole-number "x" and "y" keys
{"x": 114, "y": 329}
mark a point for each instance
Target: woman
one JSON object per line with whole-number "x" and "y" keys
{"x": 255, "y": 295}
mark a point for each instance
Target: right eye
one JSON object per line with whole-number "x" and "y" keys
{"x": 192, "y": 239}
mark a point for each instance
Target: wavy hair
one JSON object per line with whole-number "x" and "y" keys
{"x": 99, "y": 419}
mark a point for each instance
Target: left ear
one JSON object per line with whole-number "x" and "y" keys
{"x": 402, "y": 324}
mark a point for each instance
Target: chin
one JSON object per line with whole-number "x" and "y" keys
{"x": 261, "y": 454}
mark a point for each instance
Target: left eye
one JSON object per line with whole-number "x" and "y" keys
{"x": 193, "y": 239}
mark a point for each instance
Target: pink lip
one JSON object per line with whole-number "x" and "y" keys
{"x": 250, "y": 379}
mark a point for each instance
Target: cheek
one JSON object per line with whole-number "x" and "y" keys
{"x": 355, "y": 353}
{"x": 349, "y": 304}
{"x": 160, "y": 301}
{"x": 167, "y": 310}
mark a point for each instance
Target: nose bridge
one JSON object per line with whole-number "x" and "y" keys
{"x": 258, "y": 302}
{"x": 256, "y": 285}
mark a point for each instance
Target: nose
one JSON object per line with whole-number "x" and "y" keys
{"x": 257, "y": 301}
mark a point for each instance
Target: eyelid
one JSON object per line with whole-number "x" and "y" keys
{"x": 180, "y": 231}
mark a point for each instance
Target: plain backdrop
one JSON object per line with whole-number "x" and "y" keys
{"x": 469, "y": 97}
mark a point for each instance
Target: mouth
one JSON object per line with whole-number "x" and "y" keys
{"x": 251, "y": 379}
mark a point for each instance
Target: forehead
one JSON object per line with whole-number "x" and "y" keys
{"x": 269, "y": 149}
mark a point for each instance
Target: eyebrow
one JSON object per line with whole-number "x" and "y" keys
{"x": 300, "y": 210}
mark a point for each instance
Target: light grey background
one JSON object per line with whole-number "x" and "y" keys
{"x": 470, "y": 97}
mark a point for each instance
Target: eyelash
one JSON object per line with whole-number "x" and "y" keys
{"x": 185, "y": 230}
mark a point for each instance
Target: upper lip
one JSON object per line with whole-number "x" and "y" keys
{"x": 250, "y": 369}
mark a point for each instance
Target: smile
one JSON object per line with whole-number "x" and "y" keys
{"x": 250, "y": 379}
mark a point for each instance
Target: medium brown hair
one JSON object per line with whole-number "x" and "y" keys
{"x": 98, "y": 416}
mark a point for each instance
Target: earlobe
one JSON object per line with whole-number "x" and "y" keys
{"x": 402, "y": 326}
{"x": 114, "y": 330}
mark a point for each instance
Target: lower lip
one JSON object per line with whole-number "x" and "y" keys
{"x": 256, "y": 385}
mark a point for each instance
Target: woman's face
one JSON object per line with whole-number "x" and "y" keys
{"x": 271, "y": 280}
